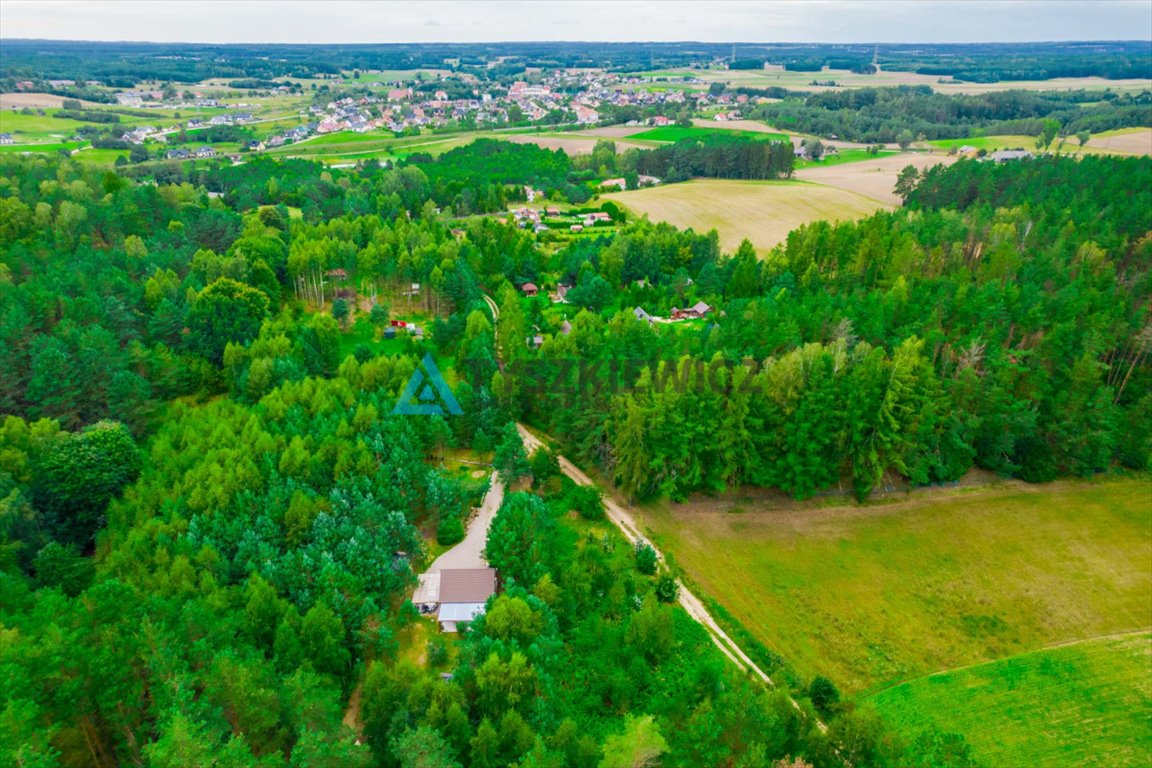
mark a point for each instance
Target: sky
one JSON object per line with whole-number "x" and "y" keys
{"x": 402, "y": 21}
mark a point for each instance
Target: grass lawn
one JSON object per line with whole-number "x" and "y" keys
{"x": 100, "y": 156}
{"x": 1088, "y": 704}
{"x": 672, "y": 133}
{"x": 875, "y": 595}
{"x": 842, "y": 157}
{"x": 762, "y": 211}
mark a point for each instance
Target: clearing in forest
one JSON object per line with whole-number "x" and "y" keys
{"x": 762, "y": 211}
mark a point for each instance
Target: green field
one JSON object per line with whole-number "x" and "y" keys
{"x": 989, "y": 143}
{"x": 1088, "y": 704}
{"x": 671, "y": 133}
{"x": 49, "y": 147}
{"x": 876, "y": 595}
{"x": 762, "y": 211}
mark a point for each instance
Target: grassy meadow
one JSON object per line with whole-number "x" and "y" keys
{"x": 875, "y": 595}
{"x": 1087, "y": 704}
{"x": 672, "y": 133}
{"x": 762, "y": 211}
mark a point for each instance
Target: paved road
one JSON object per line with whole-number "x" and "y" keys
{"x": 622, "y": 518}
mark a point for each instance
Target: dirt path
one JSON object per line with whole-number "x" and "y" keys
{"x": 622, "y": 518}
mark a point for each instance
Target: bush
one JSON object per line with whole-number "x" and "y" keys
{"x": 667, "y": 590}
{"x": 588, "y": 502}
{"x": 543, "y": 465}
{"x": 645, "y": 558}
{"x": 450, "y": 531}
{"x": 824, "y": 694}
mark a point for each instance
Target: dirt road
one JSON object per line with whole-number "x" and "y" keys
{"x": 622, "y": 519}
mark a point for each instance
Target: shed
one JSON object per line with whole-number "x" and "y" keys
{"x": 529, "y": 289}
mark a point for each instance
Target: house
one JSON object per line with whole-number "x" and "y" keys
{"x": 618, "y": 183}
{"x": 463, "y": 593}
{"x": 561, "y": 295}
{"x": 276, "y": 141}
{"x": 256, "y": 146}
{"x": 640, "y": 314}
{"x": 6, "y": 138}
{"x": 697, "y": 310}
{"x": 577, "y": 227}
{"x": 535, "y": 341}
{"x": 529, "y": 289}
{"x": 178, "y": 154}
{"x": 204, "y": 152}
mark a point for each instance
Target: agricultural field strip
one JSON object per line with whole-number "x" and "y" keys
{"x": 1040, "y": 649}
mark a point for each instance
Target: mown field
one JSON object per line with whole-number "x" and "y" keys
{"x": 762, "y": 211}
{"x": 774, "y": 75}
{"x": 876, "y": 595}
{"x": 1088, "y": 704}
{"x": 872, "y": 177}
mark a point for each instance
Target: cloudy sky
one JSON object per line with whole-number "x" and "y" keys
{"x": 370, "y": 21}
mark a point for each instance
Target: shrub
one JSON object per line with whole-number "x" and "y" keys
{"x": 450, "y": 531}
{"x": 588, "y": 502}
{"x": 667, "y": 590}
{"x": 645, "y": 558}
{"x": 824, "y": 694}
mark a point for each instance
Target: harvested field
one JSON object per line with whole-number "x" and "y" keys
{"x": 572, "y": 144}
{"x": 614, "y": 131}
{"x": 762, "y": 211}
{"x": 1130, "y": 141}
{"x": 873, "y": 178}
{"x": 21, "y": 100}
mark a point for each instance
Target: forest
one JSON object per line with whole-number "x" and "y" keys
{"x": 718, "y": 156}
{"x": 884, "y": 114}
{"x": 999, "y": 320}
{"x": 123, "y": 65}
{"x": 210, "y": 520}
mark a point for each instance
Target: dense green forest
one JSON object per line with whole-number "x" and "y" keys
{"x": 999, "y": 321}
{"x": 883, "y": 114}
{"x": 719, "y": 156}
{"x": 209, "y": 584}
{"x": 210, "y": 520}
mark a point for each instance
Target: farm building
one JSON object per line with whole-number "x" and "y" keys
{"x": 640, "y": 314}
